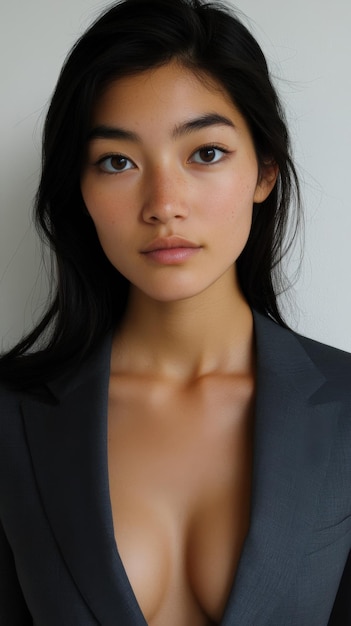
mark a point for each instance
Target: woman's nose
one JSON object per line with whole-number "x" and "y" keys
{"x": 164, "y": 198}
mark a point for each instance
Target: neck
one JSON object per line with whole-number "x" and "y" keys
{"x": 211, "y": 332}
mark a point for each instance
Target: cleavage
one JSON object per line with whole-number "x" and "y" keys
{"x": 180, "y": 478}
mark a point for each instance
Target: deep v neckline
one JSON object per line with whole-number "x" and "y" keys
{"x": 111, "y": 514}
{"x": 74, "y": 491}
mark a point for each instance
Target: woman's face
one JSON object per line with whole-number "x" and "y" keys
{"x": 170, "y": 179}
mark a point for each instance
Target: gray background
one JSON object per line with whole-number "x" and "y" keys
{"x": 308, "y": 47}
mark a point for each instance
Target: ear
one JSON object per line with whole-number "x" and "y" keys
{"x": 267, "y": 178}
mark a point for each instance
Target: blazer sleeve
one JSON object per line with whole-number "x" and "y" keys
{"x": 13, "y": 609}
{"x": 341, "y": 613}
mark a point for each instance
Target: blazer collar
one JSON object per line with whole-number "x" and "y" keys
{"x": 67, "y": 437}
{"x": 293, "y": 434}
{"x": 293, "y": 431}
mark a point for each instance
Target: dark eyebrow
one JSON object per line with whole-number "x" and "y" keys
{"x": 198, "y": 123}
{"x": 209, "y": 119}
{"x": 112, "y": 132}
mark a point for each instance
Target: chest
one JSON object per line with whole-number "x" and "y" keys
{"x": 180, "y": 478}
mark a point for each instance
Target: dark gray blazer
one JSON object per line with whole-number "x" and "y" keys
{"x": 59, "y": 565}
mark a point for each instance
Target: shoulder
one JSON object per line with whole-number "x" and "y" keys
{"x": 333, "y": 362}
{"x": 11, "y": 424}
{"x": 287, "y": 353}
{"x": 13, "y": 448}
{"x": 12, "y": 432}
{"x": 10, "y": 399}
{"x": 335, "y": 365}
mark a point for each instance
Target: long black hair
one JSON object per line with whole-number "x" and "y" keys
{"x": 132, "y": 36}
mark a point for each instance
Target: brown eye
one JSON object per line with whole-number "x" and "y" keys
{"x": 118, "y": 162}
{"x": 115, "y": 163}
{"x": 208, "y": 155}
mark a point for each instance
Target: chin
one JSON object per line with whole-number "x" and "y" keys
{"x": 173, "y": 293}
{"x": 168, "y": 291}
{"x": 169, "y": 296}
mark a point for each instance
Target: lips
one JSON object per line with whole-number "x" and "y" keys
{"x": 171, "y": 250}
{"x": 168, "y": 243}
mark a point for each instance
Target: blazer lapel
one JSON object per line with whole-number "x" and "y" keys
{"x": 293, "y": 433}
{"x": 67, "y": 437}
{"x": 68, "y": 443}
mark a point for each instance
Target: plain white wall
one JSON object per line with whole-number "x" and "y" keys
{"x": 308, "y": 48}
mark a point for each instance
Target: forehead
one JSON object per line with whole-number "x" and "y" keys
{"x": 168, "y": 93}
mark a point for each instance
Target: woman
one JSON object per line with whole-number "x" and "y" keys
{"x": 170, "y": 452}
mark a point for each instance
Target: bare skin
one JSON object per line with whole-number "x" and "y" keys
{"x": 171, "y": 157}
{"x": 180, "y": 456}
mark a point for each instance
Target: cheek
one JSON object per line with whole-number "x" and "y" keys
{"x": 233, "y": 203}
{"x": 109, "y": 221}
{"x": 105, "y": 211}
{"x": 231, "y": 218}
{"x": 99, "y": 204}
